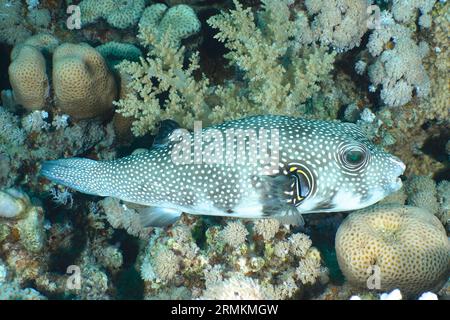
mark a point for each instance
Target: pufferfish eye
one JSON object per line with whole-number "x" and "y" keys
{"x": 354, "y": 156}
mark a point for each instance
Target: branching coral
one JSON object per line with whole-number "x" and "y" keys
{"x": 16, "y": 25}
{"x": 120, "y": 216}
{"x": 163, "y": 66}
{"x": 229, "y": 253}
{"x": 405, "y": 11}
{"x": 338, "y": 23}
{"x": 280, "y": 77}
{"x": 282, "y": 84}
{"x": 398, "y": 67}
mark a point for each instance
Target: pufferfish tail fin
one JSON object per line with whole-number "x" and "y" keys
{"x": 77, "y": 173}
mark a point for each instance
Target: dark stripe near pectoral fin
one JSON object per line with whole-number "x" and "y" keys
{"x": 167, "y": 127}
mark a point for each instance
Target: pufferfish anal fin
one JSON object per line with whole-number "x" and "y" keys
{"x": 166, "y": 128}
{"x": 275, "y": 195}
{"x": 291, "y": 217}
{"x": 158, "y": 217}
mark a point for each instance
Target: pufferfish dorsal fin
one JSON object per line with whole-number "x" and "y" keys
{"x": 165, "y": 130}
{"x": 158, "y": 217}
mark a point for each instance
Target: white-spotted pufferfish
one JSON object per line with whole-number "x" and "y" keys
{"x": 313, "y": 166}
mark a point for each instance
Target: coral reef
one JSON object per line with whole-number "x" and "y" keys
{"x": 408, "y": 245}
{"x": 23, "y": 225}
{"x": 27, "y": 74}
{"x": 79, "y": 74}
{"x": 233, "y": 263}
{"x": 169, "y": 24}
{"x": 119, "y": 14}
{"x": 338, "y": 23}
{"x": 399, "y": 67}
{"x": 283, "y": 92}
{"x": 121, "y": 216}
{"x": 92, "y": 92}
{"x": 25, "y": 144}
{"x": 18, "y": 23}
{"x": 405, "y": 11}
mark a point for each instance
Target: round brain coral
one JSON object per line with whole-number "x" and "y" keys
{"x": 84, "y": 86}
{"x": 28, "y": 77}
{"x": 408, "y": 244}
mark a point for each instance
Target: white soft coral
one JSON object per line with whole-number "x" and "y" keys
{"x": 338, "y": 23}
{"x": 398, "y": 67}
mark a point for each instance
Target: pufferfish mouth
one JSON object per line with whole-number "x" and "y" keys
{"x": 398, "y": 174}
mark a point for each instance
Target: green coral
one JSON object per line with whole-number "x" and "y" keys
{"x": 119, "y": 14}
{"x": 173, "y": 24}
{"x": 280, "y": 77}
{"x": 4, "y": 232}
{"x": 115, "y": 52}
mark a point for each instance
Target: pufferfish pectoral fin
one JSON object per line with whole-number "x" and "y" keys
{"x": 276, "y": 197}
{"x": 158, "y": 217}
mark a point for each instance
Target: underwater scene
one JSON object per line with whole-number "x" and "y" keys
{"x": 224, "y": 150}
